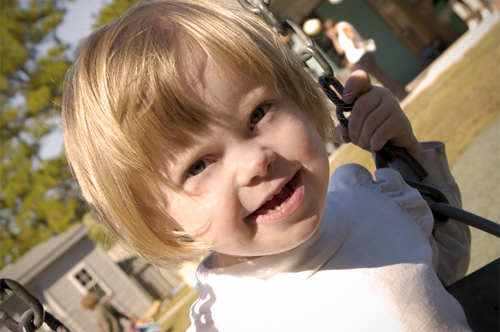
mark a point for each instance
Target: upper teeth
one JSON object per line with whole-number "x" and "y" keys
{"x": 276, "y": 193}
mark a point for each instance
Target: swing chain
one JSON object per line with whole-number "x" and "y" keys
{"x": 33, "y": 318}
{"x": 260, "y": 7}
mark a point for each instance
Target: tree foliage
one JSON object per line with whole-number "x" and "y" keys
{"x": 37, "y": 195}
{"x": 114, "y": 10}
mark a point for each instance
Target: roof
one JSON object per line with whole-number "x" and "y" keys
{"x": 118, "y": 253}
{"x": 38, "y": 258}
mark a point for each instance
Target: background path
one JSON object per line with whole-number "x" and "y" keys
{"x": 477, "y": 172}
{"x": 478, "y": 175}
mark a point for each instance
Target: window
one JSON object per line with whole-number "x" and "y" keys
{"x": 87, "y": 281}
{"x": 83, "y": 277}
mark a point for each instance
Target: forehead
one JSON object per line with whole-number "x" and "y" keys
{"x": 214, "y": 86}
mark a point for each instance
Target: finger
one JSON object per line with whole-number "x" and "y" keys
{"x": 342, "y": 135}
{"x": 387, "y": 123}
{"x": 365, "y": 105}
{"x": 371, "y": 126}
{"x": 396, "y": 131}
{"x": 381, "y": 135}
{"x": 357, "y": 84}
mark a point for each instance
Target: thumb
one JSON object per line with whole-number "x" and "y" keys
{"x": 357, "y": 84}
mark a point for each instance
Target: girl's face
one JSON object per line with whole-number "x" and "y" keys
{"x": 255, "y": 183}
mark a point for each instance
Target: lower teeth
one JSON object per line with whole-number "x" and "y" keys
{"x": 291, "y": 185}
{"x": 278, "y": 207}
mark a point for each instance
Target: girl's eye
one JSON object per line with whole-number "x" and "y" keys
{"x": 257, "y": 115}
{"x": 197, "y": 168}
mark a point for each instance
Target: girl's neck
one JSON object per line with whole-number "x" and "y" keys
{"x": 224, "y": 260}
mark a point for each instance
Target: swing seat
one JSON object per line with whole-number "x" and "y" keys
{"x": 479, "y": 295}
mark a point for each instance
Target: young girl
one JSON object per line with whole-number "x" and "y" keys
{"x": 190, "y": 126}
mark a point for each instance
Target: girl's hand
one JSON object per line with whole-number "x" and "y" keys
{"x": 376, "y": 117}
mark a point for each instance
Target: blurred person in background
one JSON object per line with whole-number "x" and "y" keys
{"x": 107, "y": 315}
{"x": 347, "y": 41}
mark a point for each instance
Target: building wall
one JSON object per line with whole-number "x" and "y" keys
{"x": 157, "y": 282}
{"x": 121, "y": 291}
{"x": 449, "y": 28}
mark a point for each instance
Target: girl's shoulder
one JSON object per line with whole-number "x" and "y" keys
{"x": 356, "y": 188}
{"x": 354, "y": 175}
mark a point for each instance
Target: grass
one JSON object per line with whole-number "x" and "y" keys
{"x": 455, "y": 108}
{"x": 179, "y": 321}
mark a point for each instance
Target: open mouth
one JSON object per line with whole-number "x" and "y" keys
{"x": 280, "y": 198}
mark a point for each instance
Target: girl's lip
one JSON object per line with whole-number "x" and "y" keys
{"x": 289, "y": 208}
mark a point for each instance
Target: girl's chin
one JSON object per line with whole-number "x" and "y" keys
{"x": 225, "y": 260}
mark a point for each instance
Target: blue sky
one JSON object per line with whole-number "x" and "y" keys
{"x": 75, "y": 27}
{"x": 78, "y": 20}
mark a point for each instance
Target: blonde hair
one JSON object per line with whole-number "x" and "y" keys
{"x": 90, "y": 301}
{"x": 125, "y": 111}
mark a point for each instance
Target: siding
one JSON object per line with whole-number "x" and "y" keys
{"x": 127, "y": 296}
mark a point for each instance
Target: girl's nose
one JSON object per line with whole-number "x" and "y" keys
{"x": 253, "y": 164}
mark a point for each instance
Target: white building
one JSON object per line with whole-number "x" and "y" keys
{"x": 61, "y": 271}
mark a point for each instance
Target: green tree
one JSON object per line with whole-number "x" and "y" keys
{"x": 113, "y": 10}
{"x": 37, "y": 196}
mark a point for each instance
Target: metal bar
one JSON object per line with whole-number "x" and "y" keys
{"x": 467, "y": 218}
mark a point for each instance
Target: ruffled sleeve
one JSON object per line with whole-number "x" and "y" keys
{"x": 451, "y": 241}
{"x": 389, "y": 183}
